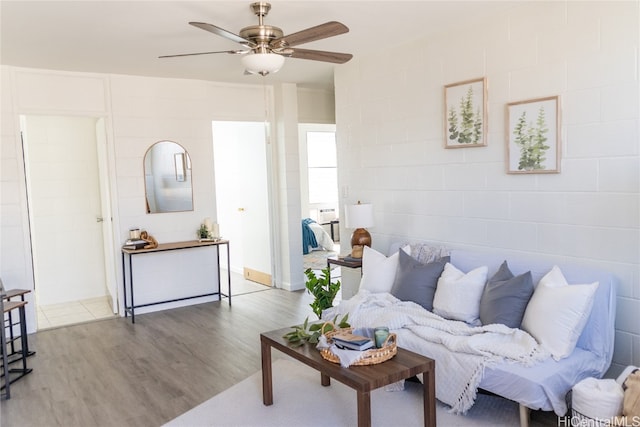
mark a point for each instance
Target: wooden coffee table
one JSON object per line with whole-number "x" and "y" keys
{"x": 363, "y": 379}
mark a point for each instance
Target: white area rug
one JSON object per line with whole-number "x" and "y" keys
{"x": 301, "y": 401}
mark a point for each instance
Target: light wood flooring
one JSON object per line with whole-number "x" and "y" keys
{"x": 113, "y": 373}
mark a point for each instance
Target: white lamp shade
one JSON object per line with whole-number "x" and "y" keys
{"x": 358, "y": 216}
{"x": 262, "y": 63}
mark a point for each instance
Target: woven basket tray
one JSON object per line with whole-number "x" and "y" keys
{"x": 371, "y": 357}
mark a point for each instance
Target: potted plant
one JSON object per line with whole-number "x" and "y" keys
{"x": 322, "y": 289}
{"x": 310, "y": 332}
{"x": 324, "y": 293}
{"x": 203, "y": 232}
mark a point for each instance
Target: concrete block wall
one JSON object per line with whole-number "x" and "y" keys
{"x": 390, "y": 132}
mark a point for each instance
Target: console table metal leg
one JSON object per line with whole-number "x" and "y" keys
{"x": 124, "y": 286}
{"x": 133, "y": 314}
{"x": 228, "y": 271}
{"x": 218, "y": 267}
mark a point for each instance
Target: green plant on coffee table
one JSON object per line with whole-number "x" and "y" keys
{"x": 311, "y": 332}
{"x": 322, "y": 289}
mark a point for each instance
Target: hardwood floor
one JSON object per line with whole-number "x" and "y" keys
{"x": 113, "y": 373}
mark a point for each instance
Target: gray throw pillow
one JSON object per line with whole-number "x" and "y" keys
{"x": 416, "y": 281}
{"x": 505, "y": 297}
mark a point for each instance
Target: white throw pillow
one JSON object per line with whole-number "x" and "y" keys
{"x": 557, "y": 313}
{"x": 378, "y": 270}
{"x": 458, "y": 294}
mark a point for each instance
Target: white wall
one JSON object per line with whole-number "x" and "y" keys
{"x": 138, "y": 111}
{"x": 316, "y": 106}
{"x": 390, "y": 140}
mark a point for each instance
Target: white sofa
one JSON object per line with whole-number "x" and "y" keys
{"x": 545, "y": 384}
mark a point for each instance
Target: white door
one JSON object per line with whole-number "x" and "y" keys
{"x": 66, "y": 212}
{"x": 242, "y": 197}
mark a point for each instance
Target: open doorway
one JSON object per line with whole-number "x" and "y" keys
{"x": 69, "y": 218}
{"x": 242, "y": 202}
{"x": 319, "y": 194}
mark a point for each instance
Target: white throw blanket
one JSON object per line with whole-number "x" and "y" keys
{"x": 461, "y": 351}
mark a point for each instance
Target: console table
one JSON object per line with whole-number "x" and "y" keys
{"x": 163, "y": 247}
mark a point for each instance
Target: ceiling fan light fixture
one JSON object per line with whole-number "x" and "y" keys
{"x": 262, "y": 63}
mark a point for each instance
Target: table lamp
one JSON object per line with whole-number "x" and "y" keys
{"x": 359, "y": 217}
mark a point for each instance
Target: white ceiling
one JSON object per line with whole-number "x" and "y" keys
{"x": 126, "y": 37}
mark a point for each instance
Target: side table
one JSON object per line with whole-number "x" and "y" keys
{"x": 347, "y": 290}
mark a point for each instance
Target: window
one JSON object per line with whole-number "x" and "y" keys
{"x": 322, "y": 167}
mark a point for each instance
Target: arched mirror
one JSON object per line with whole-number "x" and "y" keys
{"x": 167, "y": 178}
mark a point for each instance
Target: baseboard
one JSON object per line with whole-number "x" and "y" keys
{"x": 257, "y": 276}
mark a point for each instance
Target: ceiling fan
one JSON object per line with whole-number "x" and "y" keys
{"x": 266, "y": 46}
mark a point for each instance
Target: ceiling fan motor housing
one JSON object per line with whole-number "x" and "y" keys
{"x": 261, "y": 34}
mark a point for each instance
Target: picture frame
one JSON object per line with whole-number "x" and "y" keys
{"x": 533, "y": 136}
{"x": 465, "y": 114}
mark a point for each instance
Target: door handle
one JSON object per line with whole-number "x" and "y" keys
{"x": 99, "y": 219}
{"x": 240, "y": 209}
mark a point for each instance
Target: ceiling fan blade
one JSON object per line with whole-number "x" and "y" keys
{"x": 322, "y": 31}
{"x": 319, "y": 55}
{"x": 233, "y": 52}
{"x": 223, "y": 33}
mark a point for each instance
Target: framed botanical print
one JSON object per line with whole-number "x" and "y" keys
{"x": 533, "y": 136}
{"x": 465, "y": 105}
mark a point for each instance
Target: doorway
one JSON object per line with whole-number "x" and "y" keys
{"x": 319, "y": 191}
{"x": 69, "y": 218}
{"x": 242, "y": 199}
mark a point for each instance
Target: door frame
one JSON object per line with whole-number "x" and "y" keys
{"x": 106, "y": 176}
{"x": 270, "y": 203}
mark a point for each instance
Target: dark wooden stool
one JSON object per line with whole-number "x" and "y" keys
{"x": 8, "y": 342}
{"x": 15, "y": 293}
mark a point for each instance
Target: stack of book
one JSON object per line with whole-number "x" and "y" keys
{"x": 135, "y": 244}
{"x": 352, "y": 342}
